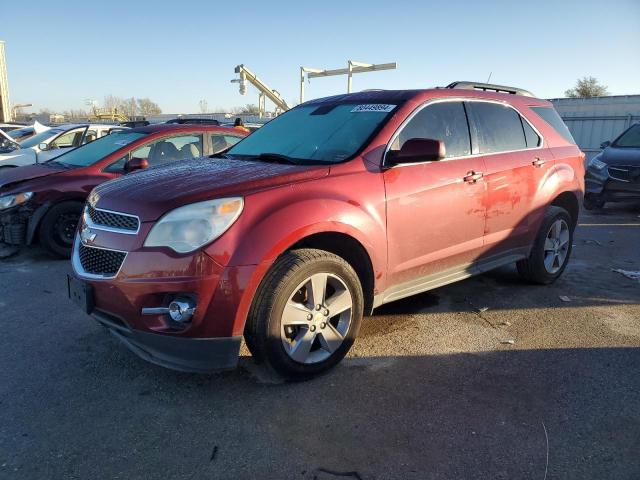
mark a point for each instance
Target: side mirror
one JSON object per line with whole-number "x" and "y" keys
{"x": 136, "y": 163}
{"x": 604, "y": 145}
{"x": 43, "y": 146}
{"x": 417, "y": 150}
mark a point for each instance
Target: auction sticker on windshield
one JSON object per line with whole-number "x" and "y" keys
{"x": 373, "y": 107}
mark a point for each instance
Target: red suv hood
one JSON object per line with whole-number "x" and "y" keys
{"x": 10, "y": 177}
{"x": 152, "y": 193}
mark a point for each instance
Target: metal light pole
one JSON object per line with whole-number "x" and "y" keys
{"x": 352, "y": 67}
{"x": 15, "y": 108}
{"x": 5, "y": 111}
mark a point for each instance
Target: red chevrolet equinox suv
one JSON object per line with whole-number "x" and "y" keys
{"x": 330, "y": 210}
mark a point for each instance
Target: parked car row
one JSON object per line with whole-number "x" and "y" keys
{"x": 289, "y": 236}
{"x": 614, "y": 174}
{"x": 53, "y": 142}
{"x": 45, "y": 201}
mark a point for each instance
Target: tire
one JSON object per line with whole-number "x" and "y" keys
{"x": 593, "y": 202}
{"x": 538, "y": 268}
{"x": 318, "y": 338}
{"x": 58, "y": 227}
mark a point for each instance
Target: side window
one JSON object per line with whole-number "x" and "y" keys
{"x": 90, "y": 136}
{"x": 530, "y": 135}
{"x": 66, "y": 140}
{"x": 498, "y": 127}
{"x": 118, "y": 165}
{"x": 550, "y": 116}
{"x": 171, "y": 149}
{"x": 446, "y": 121}
{"x": 221, "y": 142}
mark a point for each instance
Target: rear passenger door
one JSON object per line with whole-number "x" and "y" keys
{"x": 435, "y": 209}
{"x": 515, "y": 165}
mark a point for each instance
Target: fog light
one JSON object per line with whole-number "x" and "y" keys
{"x": 181, "y": 309}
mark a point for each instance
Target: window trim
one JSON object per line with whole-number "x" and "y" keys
{"x": 418, "y": 109}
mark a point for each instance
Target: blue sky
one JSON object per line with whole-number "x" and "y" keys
{"x": 176, "y": 53}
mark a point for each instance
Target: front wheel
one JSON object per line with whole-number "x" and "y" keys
{"x": 551, "y": 249}
{"x": 593, "y": 202}
{"x": 306, "y": 313}
{"x": 58, "y": 228}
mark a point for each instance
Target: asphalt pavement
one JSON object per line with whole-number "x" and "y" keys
{"x": 486, "y": 378}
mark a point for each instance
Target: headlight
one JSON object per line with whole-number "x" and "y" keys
{"x": 597, "y": 164}
{"x": 9, "y": 201}
{"x": 187, "y": 228}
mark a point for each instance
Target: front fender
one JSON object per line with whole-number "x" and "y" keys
{"x": 273, "y": 233}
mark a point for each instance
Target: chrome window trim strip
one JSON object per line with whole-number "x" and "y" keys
{"x": 474, "y": 155}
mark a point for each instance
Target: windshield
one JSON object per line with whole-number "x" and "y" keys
{"x": 323, "y": 133}
{"x": 630, "y": 138}
{"x": 39, "y": 138}
{"x": 92, "y": 152}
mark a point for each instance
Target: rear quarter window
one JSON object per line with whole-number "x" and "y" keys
{"x": 550, "y": 116}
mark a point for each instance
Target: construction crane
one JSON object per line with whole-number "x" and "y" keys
{"x": 245, "y": 75}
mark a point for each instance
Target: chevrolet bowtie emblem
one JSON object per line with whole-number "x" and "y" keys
{"x": 87, "y": 235}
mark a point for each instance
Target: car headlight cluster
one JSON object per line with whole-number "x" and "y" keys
{"x": 187, "y": 228}
{"x": 597, "y": 164}
{"x": 8, "y": 201}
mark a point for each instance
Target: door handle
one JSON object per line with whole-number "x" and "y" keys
{"x": 472, "y": 177}
{"x": 537, "y": 163}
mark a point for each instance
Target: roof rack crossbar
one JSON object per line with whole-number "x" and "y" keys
{"x": 491, "y": 87}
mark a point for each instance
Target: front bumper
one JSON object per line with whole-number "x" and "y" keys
{"x": 602, "y": 183}
{"x": 197, "y": 355}
{"x": 18, "y": 224}
{"x": 152, "y": 278}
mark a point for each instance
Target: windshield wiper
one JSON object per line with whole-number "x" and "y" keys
{"x": 278, "y": 157}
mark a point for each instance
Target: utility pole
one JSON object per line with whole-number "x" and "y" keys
{"x": 5, "y": 109}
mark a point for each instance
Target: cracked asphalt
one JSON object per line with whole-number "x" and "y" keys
{"x": 486, "y": 378}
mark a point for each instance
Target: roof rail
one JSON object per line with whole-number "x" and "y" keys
{"x": 490, "y": 87}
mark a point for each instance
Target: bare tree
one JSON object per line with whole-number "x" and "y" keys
{"x": 112, "y": 103}
{"x": 129, "y": 107}
{"x": 250, "y": 108}
{"x": 204, "y": 106}
{"x": 587, "y": 87}
{"x": 148, "y": 107}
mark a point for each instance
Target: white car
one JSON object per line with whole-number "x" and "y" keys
{"x": 54, "y": 142}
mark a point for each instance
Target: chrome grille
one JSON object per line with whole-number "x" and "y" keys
{"x": 625, "y": 173}
{"x": 112, "y": 220}
{"x": 98, "y": 261}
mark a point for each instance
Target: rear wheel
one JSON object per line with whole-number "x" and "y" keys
{"x": 306, "y": 313}
{"x": 58, "y": 228}
{"x": 551, "y": 249}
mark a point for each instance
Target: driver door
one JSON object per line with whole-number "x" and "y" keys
{"x": 435, "y": 209}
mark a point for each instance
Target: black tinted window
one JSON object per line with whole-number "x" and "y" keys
{"x": 550, "y": 116}
{"x": 445, "y": 121}
{"x": 498, "y": 127}
{"x": 532, "y": 138}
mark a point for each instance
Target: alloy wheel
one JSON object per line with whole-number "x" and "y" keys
{"x": 316, "y": 318}
{"x": 556, "y": 246}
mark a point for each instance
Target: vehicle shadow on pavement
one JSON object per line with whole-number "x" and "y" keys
{"x": 500, "y": 414}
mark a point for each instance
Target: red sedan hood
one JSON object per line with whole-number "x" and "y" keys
{"x": 152, "y": 193}
{"x": 10, "y": 177}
